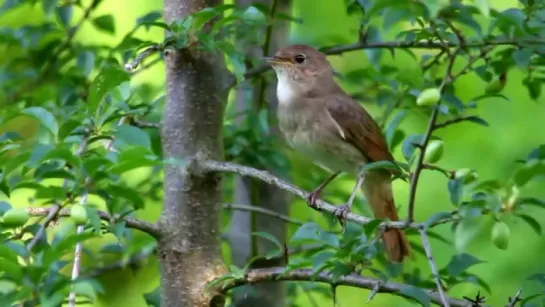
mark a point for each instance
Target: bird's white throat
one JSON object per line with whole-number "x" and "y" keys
{"x": 284, "y": 89}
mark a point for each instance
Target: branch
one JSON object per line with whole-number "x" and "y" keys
{"x": 432, "y": 126}
{"x": 131, "y": 66}
{"x": 433, "y": 266}
{"x": 455, "y": 121}
{"x": 131, "y": 222}
{"x": 217, "y": 166}
{"x": 340, "y": 49}
{"x": 264, "y": 212}
{"x": 279, "y": 274}
{"x": 513, "y": 301}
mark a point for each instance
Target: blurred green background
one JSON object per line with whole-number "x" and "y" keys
{"x": 516, "y": 127}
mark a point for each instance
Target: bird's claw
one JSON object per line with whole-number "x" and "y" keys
{"x": 341, "y": 212}
{"x": 312, "y": 198}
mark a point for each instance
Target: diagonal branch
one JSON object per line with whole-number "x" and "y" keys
{"x": 433, "y": 266}
{"x": 228, "y": 167}
{"x": 131, "y": 222}
{"x": 283, "y": 274}
{"x": 441, "y": 45}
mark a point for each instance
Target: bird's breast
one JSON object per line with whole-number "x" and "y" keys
{"x": 309, "y": 133}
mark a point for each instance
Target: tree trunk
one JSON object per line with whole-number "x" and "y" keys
{"x": 190, "y": 252}
{"x": 252, "y": 192}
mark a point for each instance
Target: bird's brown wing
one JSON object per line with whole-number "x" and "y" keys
{"x": 359, "y": 128}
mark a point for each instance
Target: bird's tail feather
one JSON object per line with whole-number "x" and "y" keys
{"x": 378, "y": 191}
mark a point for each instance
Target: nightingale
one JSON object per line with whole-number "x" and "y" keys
{"x": 322, "y": 122}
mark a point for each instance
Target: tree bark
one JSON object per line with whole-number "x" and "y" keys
{"x": 189, "y": 250}
{"x": 251, "y": 192}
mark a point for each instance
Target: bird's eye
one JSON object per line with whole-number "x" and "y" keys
{"x": 300, "y": 58}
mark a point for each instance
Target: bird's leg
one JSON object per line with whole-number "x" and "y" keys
{"x": 343, "y": 210}
{"x": 315, "y": 194}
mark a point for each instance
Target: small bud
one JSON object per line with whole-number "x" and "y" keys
{"x": 434, "y": 151}
{"x": 500, "y": 235}
{"x": 428, "y": 97}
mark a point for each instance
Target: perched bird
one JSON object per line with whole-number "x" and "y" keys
{"x": 319, "y": 120}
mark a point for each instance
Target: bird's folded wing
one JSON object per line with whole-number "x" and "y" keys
{"x": 357, "y": 127}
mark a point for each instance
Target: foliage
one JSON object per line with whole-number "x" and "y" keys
{"x": 75, "y": 129}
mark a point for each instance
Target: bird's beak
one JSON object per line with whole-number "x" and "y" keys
{"x": 274, "y": 60}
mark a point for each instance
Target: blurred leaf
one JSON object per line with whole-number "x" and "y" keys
{"x": 45, "y": 117}
{"x": 459, "y": 263}
{"x": 108, "y": 79}
{"x": 532, "y": 222}
{"x": 313, "y": 232}
{"x": 455, "y": 188}
{"x": 417, "y": 294}
{"x": 104, "y": 23}
{"x": 132, "y": 136}
{"x": 408, "y": 145}
{"x": 483, "y": 7}
{"x": 153, "y": 298}
{"x": 48, "y": 6}
{"x": 386, "y": 165}
{"x": 436, "y": 217}
{"x": 522, "y": 57}
{"x": 269, "y": 237}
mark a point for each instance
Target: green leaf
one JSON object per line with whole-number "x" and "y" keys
{"x": 11, "y": 270}
{"x": 436, "y": 217}
{"x": 107, "y": 80}
{"x": 127, "y": 135}
{"x": 387, "y": 165}
{"x": 153, "y": 298}
{"x": 127, "y": 193}
{"x": 269, "y": 237}
{"x": 64, "y": 14}
{"x": 522, "y": 57}
{"x": 456, "y": 189}
{"x": 45, "y": 117}
{"x": 459, "y": 263}
{"x": 408, "y": 145}
{"x": 50, "y": 192}
{"x": 105, "y": 23}
{"x": 62, "y": 153}
{"x": 86, "y": 62}
{"x": 49, "y": 6}
{"x": 483, "y": 7}
{"x": 532, "y": 222}
{"x": 417, "y": 294}
{"x": 313, "y": 232}
{"x": 87, "y": 288}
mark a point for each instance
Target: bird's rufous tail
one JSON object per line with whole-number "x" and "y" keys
{"x": 378, "y": 191}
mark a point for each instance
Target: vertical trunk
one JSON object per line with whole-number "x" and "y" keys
{"x": 192, "y": 127}
{"x": 252, "y": 192}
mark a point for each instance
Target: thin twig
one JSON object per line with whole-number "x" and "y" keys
{"x": 433, "y": 266}
{"x": 454, "y": 121}
{"x": 263, "y": 211}
{"x": 512, "y": 302}
{"x": 131, "y": 222}
{"x": 77, "y": 255}
{"x": 419, "y": 164}
{"x": 131, "y": 66}
{"x": 253, "y": 276}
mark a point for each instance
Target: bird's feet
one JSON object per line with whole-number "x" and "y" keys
{"x": 312, "y": 198}
{"x": 341, "y": 212}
